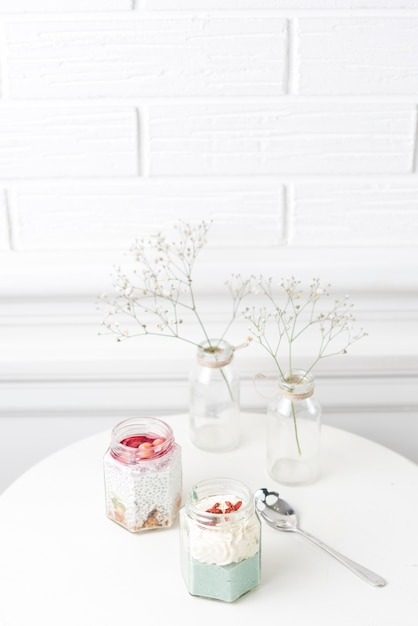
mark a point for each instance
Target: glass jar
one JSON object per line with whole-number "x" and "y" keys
{"x": 293, "y": 431}
{"x": 220, "y": 540}
{"x": 214, "y": 412}
{"x": 143, "y": 474}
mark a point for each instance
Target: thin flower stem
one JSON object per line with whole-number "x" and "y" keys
{"x": 294, "y": 316}
{"x": 295, "y": 425}
{"x": 231, "y": 395}
{"x": 160, "y": 287}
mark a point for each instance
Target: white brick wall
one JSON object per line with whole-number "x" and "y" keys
{"x": 143, "y": 56}
{"x": 93, "y": 216}
{"x": 357, "y": 56}
{"x": 278, "y": 4}
{"x": 67, "y": 142}
{"x": 63, "y": 6}
{"x": 4, "y": 222}
{"x": 292, "y": 124}
{"x": 369, "y": 214}
{"x": 276, "y": 138}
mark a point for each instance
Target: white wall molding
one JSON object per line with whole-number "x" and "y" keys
{"x": 122, "y": 396}
{"x": 53, "y": 359}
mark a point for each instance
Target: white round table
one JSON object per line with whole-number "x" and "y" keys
{"x": 63, "y": 562}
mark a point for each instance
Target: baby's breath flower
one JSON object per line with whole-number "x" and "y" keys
{"x": 290, "y": 314}
{"x": 160, "y": 286}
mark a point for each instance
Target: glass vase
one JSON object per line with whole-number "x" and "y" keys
{"x": 294, "y": 431}
{"x": 220, "y": 540}
{"x": 214, "y": 412}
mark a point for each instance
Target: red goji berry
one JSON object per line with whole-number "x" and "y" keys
{"x": 228, "y": 507}
{"x": 214, "y": 509}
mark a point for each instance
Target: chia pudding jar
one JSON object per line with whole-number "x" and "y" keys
{"x": 143, "y": 474}
{"x": 220, "y": 540}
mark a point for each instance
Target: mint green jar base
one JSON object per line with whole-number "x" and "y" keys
{"x": 224, "y": 582}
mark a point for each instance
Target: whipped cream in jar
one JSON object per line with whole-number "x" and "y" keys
{"x": 220, "y": 540}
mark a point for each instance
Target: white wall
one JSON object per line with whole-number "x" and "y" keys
{"x": 292, "y": 126}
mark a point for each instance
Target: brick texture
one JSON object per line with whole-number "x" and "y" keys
{"x": 4, "y": 226}
{"x": 65, "y": 6}
{"x": 206, "y": 5}
{"x": 50, "y": 142}
{"x": 357, "y": 56}
{"x": 369, "y": 214}
{"x": 288, "y": 124}
{"x": 278, "y": 138}
{"x": 147, "y": 57}
{"x": 57, "y": 216}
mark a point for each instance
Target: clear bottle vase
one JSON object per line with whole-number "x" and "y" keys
{"x": 294, "y": 431}
{"x": 214, "y": 412}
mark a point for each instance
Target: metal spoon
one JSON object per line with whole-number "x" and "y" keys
{"x": 280, "y": 515}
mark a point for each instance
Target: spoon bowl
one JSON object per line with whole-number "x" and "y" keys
{"x": 280, "y": 515}
{"x": 275, "y": 511}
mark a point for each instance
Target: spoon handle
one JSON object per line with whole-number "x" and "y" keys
{"x": 363, "y": 572}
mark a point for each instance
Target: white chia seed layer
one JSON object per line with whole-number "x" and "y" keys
{"x": 145, "y": 495}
